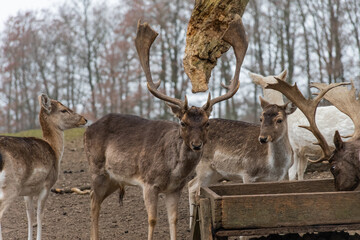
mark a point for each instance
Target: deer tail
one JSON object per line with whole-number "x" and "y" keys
{"x": 121, "y": 194}
{"x": 1, "y": 162}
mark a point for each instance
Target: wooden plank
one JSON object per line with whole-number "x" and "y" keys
{"x": 286, "y": 210}
{"x": 206, "y": 229}
{"x": 206, "y": 192}
{"x": 216, "y": 205}
{"x": 326, "y": 185}
{"x": 286, "y": 230}
{"x": 195, "y": 227}
{"x": 216, "y": 213}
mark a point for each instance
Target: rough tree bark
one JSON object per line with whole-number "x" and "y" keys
{"x": 209, "y": 20}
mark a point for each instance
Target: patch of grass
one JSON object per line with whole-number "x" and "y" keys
{"x": 74, "y": 134}
{"x": 71, "y": 134}
{"x": 28, "y": 133}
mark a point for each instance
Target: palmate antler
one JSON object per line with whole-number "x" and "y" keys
{"x": 308, "y": 107}
{"x": 235, "y": 35}
{"x": 345, "y": 100}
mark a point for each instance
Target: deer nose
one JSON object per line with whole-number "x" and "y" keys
{"x": 197, "y": 146}
{"x": 263, "y": 139}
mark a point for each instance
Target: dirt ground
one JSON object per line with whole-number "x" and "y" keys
{"x": 67, "y": 216}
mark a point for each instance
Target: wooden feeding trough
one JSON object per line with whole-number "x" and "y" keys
{"x": 274, "y": 208}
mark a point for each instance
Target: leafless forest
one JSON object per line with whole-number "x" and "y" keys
{"x": 83, "y": 54}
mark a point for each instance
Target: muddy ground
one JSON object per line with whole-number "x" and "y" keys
{"x": 67, "y": 216}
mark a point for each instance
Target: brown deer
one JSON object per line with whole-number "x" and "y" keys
{"x": 244, "y": 151}
{"x": 29, "y": 166}
{"x": 344, "y": 160}
{"x": 158, "y": 156}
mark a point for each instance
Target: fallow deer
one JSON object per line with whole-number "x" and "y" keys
{"x": 158, "y": 156}
{"x": 328, "y": 119}
{"x": 245, "y": 151}
{"x": 345, "y": 158}
{"x": 29, "y": 166}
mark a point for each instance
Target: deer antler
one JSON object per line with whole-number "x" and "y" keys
{"x": 345, "y": 100}
{"x": 308, "y": 107}
{"x": 235, "y": 35}
{"x": 145, "y": 37}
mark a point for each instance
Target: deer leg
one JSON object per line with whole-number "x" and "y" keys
{"x": 150, "y": 199}
{"x": 293, "y": 169}
{"x": 302, "y": 164}
{"x": 102, "y": 186}
{"x": 40, "y": 211}
{"x": 172, "y": 201}
{"x": 29, "y": 203}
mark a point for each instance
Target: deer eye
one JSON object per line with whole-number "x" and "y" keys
{"x": 207, "y": 124}
{"x": 279, "y": 121}
{"x": 182, "y": 124}
{"x": 333, "y": 169}
{"x": 260, "y": 119}
{"x": 64, "y": 111}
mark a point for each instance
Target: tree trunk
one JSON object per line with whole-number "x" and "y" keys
{"x": 208, "y": 22}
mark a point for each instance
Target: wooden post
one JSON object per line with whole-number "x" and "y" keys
{"x": 208, "y": 22}
{"x": 206, "y": 229}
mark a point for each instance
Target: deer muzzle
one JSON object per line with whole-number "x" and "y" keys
{"x": 196, "y": 146}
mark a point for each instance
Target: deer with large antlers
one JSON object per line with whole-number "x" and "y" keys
{"x": 29, "y": 166}
{"x": 244, "y": 151}
{"x": 158, "y": 156}
{"x": 328, "y": 119}
{"x": 344, "y": 160}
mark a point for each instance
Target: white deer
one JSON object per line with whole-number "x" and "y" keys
{"x": 30, "y": 166}
{"x": 328, "y": 119}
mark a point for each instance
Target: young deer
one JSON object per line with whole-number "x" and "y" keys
{"x": 328, "y": 119}
{"x": 158, "y": 156}
{"x": 249, "y": 152}
{"x": 29, "y": 166}
{"x": 345, "y": 159}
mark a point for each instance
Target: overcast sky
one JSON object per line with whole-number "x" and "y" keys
{"x": 11, "y": 7}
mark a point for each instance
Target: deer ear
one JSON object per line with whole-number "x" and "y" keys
{"x": 290, "y": 108}
{"x": 339, "y": 144}
{"x": 263, "y": 103}
{"x": 257, "y": 79}
{"x": 45, "y": 102}
{"x": 177, "y": 110}
{"x": 283, "y": 75}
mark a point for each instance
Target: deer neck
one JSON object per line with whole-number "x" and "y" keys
{"x": 280, "y": 155}
{"x": 55, "y": 138}
{"x": 187, "y": 161}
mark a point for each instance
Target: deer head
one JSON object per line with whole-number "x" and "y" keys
{"x": 274, "y": 120}
{"x": 193, "y": 120}
{"x": 53, "y": 113}
{"x": 345, "y": 159}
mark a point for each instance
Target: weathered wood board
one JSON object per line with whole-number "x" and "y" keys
{"x": 282, "y": 207}
{"x": 209, "y": 20}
